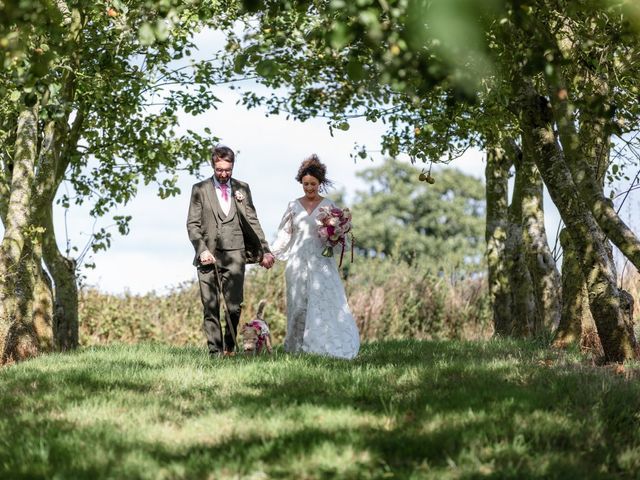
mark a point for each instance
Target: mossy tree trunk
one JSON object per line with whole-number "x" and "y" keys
{"x": 17, "y": 334}
{"x": 524, "y": 282}
{"x": 576, "y": 322}
{"x": 586, "y": 149}
{"x": 496, "y": 235}
{"x": 545, "y": 278}
{"x": 606, "y": 302}
{"x": 63, "y": 141}
{"x": 42, "y": 303}
{"x": 524, "y": 310}
{"x": 28, "y": 310}
{"x": 586, "y": 152}
{"x": 63, "y": 270}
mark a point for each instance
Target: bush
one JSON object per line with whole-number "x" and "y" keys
{"x": 172, "y": 318}
{"x": 388, "y": 300}
{"x": 396, "y": 300}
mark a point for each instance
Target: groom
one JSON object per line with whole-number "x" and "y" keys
{"x": 225, "y": 232}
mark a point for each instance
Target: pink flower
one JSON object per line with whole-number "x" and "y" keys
{"x": 333, "y": 226}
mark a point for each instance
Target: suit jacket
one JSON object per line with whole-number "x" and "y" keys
{"x": 203, "y": 222}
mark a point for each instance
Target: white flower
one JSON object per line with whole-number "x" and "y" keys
{"x": 239, "y": 195}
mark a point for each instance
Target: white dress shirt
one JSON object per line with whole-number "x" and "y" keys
{"x": 224, "y": 204}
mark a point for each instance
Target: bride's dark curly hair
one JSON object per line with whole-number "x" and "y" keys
{"x": 314, "y": 167}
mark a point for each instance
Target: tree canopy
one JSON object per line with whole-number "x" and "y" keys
{"x": 90, "y": 95}
{"x": 440, "y": 224}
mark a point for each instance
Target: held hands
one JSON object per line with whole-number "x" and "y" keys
{"x": 267, "y": 261}
{"x": 207, "y": 258}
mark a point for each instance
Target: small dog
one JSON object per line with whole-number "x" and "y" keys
{"x": 256, "y": 337}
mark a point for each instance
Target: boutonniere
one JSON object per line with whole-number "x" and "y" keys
{"x": 239, "y": 195}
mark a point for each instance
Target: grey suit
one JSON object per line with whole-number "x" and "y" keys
{"x": 234, "y": 239}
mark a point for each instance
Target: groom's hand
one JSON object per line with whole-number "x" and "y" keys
{"x": 268, "y": 260}
{"x": 207, "y": 258}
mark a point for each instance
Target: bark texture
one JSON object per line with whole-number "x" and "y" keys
{"x": 496, "y": 235}
{"x": 606, "y": 302}
{"x": 576, "y": 322}
{"x": 586, "y": 156}
{"x": 546, "y": 280}
{"x": 42, "y": 304}
{"x": 63, "y": 270}
{"x": 17, "y": 334}
{"x": 524, "y": 311}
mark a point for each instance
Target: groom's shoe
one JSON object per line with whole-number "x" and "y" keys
{"x": 228, "y": 353}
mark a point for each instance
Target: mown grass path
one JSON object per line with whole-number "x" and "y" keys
{"x": 404, "y": 409}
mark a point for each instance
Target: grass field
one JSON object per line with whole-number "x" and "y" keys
{"x": 402, "y": 409}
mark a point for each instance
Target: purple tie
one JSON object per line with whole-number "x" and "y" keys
{"x": 225, "y": 191}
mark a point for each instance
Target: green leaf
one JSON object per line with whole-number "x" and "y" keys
{"x": 239, "y": 62}
{"x": 355, "y": 70}
{"x": 339, "y": 35}
{"x": 54, "y": 89}
{"x": 162, "y": 30}
{"x": 146, "y": 35}
{"x": 267, "y": 68}
{"x": 14, "y": 96}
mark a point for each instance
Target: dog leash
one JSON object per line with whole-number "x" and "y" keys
{"x": 226, "y": 307}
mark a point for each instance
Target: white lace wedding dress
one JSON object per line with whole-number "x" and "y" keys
{"x": 318, "y": 317}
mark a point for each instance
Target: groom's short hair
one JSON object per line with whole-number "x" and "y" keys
{"x": 223, "y": 153}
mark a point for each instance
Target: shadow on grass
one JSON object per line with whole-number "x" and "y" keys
{"x": 404, "y": 409}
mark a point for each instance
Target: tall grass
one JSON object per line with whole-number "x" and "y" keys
{"x": 402, "y": 410}
{"x": 388, "y": 300}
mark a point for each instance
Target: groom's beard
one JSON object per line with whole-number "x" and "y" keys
{"x": 223, "y": 180}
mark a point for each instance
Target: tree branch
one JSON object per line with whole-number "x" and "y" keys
{"x": 590, "y": 190}
{"x": 64, "y": 10}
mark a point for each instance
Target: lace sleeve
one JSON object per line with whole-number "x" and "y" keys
{"x": 284, "y": 238}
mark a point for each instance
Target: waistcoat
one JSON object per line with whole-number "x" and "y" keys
{"x": 230, "y": 235}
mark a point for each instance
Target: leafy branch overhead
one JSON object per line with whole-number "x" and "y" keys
{"x": 90, "y": 94}
{"x": 438, "y": 74}
{"x": 114, "y": 91}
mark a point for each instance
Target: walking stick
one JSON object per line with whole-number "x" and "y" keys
{"x": 226, "y": 308}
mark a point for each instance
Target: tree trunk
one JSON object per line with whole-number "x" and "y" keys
{"x": 585, "y": 174}
{"x": 42, "y": 303}
{"x": 496, "y": 233}
{"x": 523, "y": 300}
{"x": 17, "y": 334}
{"x": 22, "y": 339}
{"x": 606, "y": 302}
{"x": 542, "y": 266}
{"x": 63, "y": 270}
{"x": 576, "y": 322}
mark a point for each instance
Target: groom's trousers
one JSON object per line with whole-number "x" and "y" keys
{"x": 230, "y": 266}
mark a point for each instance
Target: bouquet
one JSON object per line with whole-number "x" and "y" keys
{"x": 334, "y": 224}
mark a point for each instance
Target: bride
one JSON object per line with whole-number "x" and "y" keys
{"x": 318, "y": 317}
